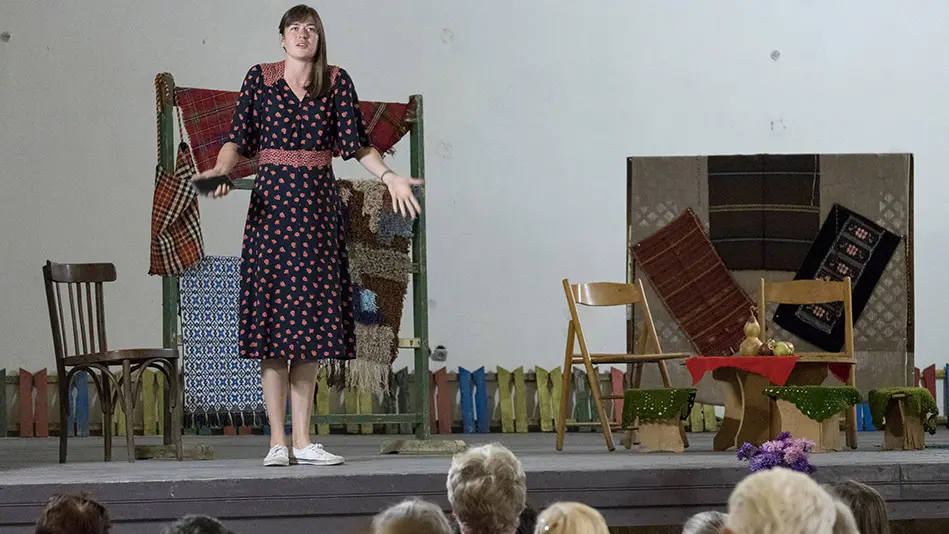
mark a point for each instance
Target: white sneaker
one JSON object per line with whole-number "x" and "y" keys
{"x": 278, "y": 456}
{"x": 314, "y": 454}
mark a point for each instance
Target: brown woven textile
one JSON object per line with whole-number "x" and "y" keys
{"x": 764, "y": 210}
{"x": 380, "y": 267}
{"x": 698, "y": 291}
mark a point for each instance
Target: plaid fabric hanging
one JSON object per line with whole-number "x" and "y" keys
{"x": 176, "y": 241}
{"x": 207, "y": 114}
{"x": 386, "y": 123}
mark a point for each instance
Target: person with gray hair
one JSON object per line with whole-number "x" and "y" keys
{"x": 196, "y": 524}
{"x": 487, "y": 489}
{"x": 411, "y": 516}
{"x": 710, "y": 522}
{"x": 781, "y": 501}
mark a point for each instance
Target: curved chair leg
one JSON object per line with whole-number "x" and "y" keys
{"x": 174, "y": 402}
{"x": 129, "y": 409}
{"x": 176, "y": 407}
{"x": 65, "y": 402}
{"x": 169, "y": 398}
{"x": 108, "y": 409}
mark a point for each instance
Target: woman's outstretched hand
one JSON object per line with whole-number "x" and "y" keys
{"x": 222, "y": 190}
{"x": 400, "y": 188}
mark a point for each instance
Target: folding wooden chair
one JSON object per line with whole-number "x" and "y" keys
{"x": 817, "y": 292}
{"x": 602, "y": 294}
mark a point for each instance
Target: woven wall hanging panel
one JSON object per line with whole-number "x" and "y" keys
{"x": 216, "y": 380}
{"x": 694, "y": 285}
{"x": 764, "y": 211}
{"x": 877, "y": 186}
{"x": 848, "y": 245}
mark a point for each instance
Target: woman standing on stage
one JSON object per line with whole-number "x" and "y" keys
{"x": 296, "y": 301}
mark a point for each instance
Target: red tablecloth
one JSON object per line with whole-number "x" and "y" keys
{"x": 840, "y": 370}
{"x": 776, "y": 369}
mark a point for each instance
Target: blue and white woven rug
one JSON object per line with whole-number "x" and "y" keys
{"x": 216, "y": 380}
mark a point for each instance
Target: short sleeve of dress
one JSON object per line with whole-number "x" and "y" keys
{"x": 245, "y": 132}
{"x": 351, "y": 133}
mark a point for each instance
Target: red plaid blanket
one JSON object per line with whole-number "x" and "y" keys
{"x": 176, "y": 241}
{"x": 207, "y": 117}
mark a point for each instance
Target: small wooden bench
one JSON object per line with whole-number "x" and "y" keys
{"x": 811, "y": 413}
{"x": 904, "y": 413}
{"x": 661, "y": 414}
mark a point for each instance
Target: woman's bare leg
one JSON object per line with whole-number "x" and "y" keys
{"x": 302, "y": 387}
{"x": 273, "y": 377}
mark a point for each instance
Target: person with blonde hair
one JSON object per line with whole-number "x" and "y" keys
{"x": 570, "y": 518}
{"x": 411, "y": 516}
{"x": 487, "y": 489}
{"x": 781, "y": 501}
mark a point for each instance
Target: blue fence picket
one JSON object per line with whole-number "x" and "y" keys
{"x": 481, "y": 401}
{"x": 467, "y": 409}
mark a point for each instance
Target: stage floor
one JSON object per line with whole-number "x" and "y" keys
{"x": 630, "y": 488}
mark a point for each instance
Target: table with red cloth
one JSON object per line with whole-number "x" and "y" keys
{"x": 747, "y": 410}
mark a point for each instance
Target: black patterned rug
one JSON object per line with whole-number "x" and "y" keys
{"x": 848, "y": 244}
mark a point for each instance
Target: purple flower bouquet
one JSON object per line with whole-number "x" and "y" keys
{"x": 783, "y": 451}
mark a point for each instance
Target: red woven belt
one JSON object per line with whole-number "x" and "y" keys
{"x": 296, "y": 158}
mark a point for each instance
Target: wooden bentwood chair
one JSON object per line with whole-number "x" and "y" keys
{"x": 817, "y": 292}
{"x": 648, "y": 350}
{"x": 86, "y": 312}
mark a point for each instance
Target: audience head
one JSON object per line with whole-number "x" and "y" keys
{"x": 570, "y": 518}
{"x": 196, "y": 524}
{"x": 710, "y": 522}
{"x": 781, "y": 501}
{"x": 73, "y": 514}
{"x": 528, "y": 520}
{"x": 487, "y": 489}
{"x": 411, "y": 516}
{"x": 868, "y": 507}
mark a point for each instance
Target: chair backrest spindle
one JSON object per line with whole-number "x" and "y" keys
{"x": 86, "y": 306}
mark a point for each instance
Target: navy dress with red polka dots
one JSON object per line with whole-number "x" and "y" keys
{"x": 296, "y": 300}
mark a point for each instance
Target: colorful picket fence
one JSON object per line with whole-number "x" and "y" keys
{"x": 35, "y": 393}
{"x": 470, "y": 402}
{"x": 928, "y": 378}
{"x": 463, "y": 401}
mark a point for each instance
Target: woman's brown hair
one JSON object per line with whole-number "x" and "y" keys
{"x": 319, "y": 79}
{"x": 867, "y": 505}
{"x": 73, "y": 514}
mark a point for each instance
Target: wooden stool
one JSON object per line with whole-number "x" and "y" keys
{"x": 661, "y": 414}
{"x": 810, "y": 412}
{"x": 904, "y": 413}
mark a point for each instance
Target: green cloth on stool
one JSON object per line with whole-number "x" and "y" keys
{"x": 657, "y": 404}
{"x": 920, "y": 400}
{"x": 816, "y": 402}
